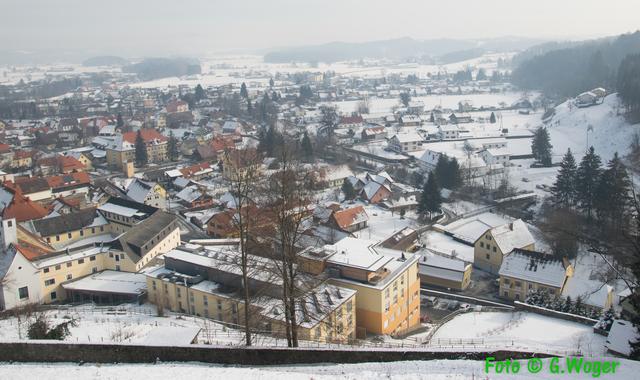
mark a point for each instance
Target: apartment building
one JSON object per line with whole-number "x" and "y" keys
{"x": 490, "y": 248}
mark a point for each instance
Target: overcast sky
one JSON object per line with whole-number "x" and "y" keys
{"x": 143, "y": 27}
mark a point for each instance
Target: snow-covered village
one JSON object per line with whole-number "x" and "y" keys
{"x": 290, "y": 190}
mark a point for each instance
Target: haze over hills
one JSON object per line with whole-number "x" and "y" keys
{"x": 400, "y": 48}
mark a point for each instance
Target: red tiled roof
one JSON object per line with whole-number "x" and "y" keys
{"x": 5, "y": 148}
{"x": 148, "y": 135}
{"x": 350, "y": 216}
{"x": 191, "y": 170}
{"x": 22, "y": 208}
{"x": 351, "y": 120}
{"x": 68, "y": 179}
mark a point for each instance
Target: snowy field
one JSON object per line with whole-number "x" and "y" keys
{"x": 522, "y": 330}
{"x": 409, "y": 370}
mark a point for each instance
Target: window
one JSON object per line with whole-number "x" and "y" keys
{"x": 69, "y": 235}
{"x": 92, "y": 258}
{"x": 506, "y": 281}
{"x": 349, "y": 306}
{"x": 48, "y": 240}
{"x": 81, "y": 232}
{"x": 205, "y": 300}
{"x": 57, "y": 237}
{"x": 178, "y": 293}
{"x": 58, "y": 267}
{"x": 69, "y": 264}
{"x": 94, "y": 270}
{"x": 49, "y": 282}
{"x": 481, "y": 245}
{"x": 495, "y": 249}
{"x": 110, "y": 254}
{"x": 10, "y": 223}
{"x": 153, "y": 285}
{"x": 101, "y": 228}
{"x": 488, "y": 256}
{"x": 54, "y": 296}
{"x": 530, "y": 286}
{"x": 118, "y": 268}
{"x": 219, "y": 305}
{"x": 46, "y": 270}
{"x": 69, "y": 276}
{"x": 23, "y": 292}
{"x": 93, "y": 230}
{"x": 117, "y": 257}
{"x": 122, "y": 256}
{"x": 81, "y": 261}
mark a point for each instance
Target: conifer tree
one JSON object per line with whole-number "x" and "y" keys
{"x": 612, "y": 196}
{"x": 564, "y": 188}
{"x": 141, "y": 150}
{"x": 492, "y": 118}
{"x": 243, "y": 91}
{"x": 172, "y": 147}
{"x": 348, "y": 190}
{"x": 307, "y": 147}
{"x": 588, "y": 177}
{"x": 199, "y": 93}
{"x": 430, "y": 200}
{"x": 541, "y": 147}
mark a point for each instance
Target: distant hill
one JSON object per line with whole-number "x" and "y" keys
{"x": 155, "y": 68}
{"x": 400, "y": 48}
{"x": 105, "y": 60}
{"x": 567, "y": 69}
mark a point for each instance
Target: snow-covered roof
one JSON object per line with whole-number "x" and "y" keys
{"x": 408, "y": 137}
{"x": 619, "y": 336}
{"x": 533, "y": 267}
{"x": 512, "y": 235}
{"x": 189, "y": 194}
{"x": 110, "y": 281}
{"x": 358, "y": 253}
{"x": 138, "y": 190}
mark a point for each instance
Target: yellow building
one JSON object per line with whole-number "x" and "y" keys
{"x": 123, "y": 149}
{"x": 444, "y": 272}
{"x": 204, "y": 281}
{"x": 523, "y": 272}
{"x": 495, "y": 243}
{"x": 386, "y": 282}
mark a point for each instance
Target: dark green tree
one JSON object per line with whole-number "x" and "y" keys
{"x": 243, "y": 91}
{"x": 307, "y": 147}
{"x": 613, "y": 195}
{"x": 405, "y": 98}
{"x": 199, "y": 93}
{"x": 172, "y": 147}
{"x": 482, "y": 74}
{"x": 492, "y": 118}
{"x": 348, "y": 190}
{"x": 417, "y": 179}
{"x": 141, "y": 150}
{"x": 588, "y": 177}
{"x": 564, "y": 188}
{"x": 119, "y": 121}
{"x": 271, "y": 83}
{"x": 541, "y": 147}
{"x": 430, "y": 200}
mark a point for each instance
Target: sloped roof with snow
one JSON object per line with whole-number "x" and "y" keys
{"x": 533, "y": 267}
{"x": 351, "y": 216}
{"x": 512, "y": 235}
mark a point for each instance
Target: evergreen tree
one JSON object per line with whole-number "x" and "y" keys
{"x": 564, "y": 189}
{"x": 430, "y": 200}
{"x": 348, "y": 190}
{"x": 442, "y": 171}
{"x": 612, "y": 196}
{"x": 455, "y": 174}
{"x": 141, "y": 150}
{"x": 172, "y": 147}
{"x": 199, "y": 93}
{"x": 492, "y": 118}
{"x": 588, "y": 177}
{"x": 307, "y": 147}
{"x": 541, "y": 147}
{"x": 271, "y": 83}
{"x": 482, "y": 74}
{"x": 417, "y": 179}
{"x": 243, "y": 91}
{"x": 119, "y": 122}
{"x": 405, "y": 98}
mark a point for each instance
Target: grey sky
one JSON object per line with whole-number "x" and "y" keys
{"x": 142, "y": 27}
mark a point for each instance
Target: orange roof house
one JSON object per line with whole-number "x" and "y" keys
{"x": 350, "y": 219}
{"x": 22, "y": 208}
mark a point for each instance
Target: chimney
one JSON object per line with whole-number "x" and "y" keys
{"x": 511, "y": 226}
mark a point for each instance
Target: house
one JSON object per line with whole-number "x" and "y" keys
{"x": 444, "y": 272}
{"x": 586, "y": 99}
{"x": 373, "y": 133}
{"x": 386, "y": 282}
{"x": 175, "y": 106}
{"x": 496, "y": 156}
{"x": 149, "y": 193}
{"x": 375, "y": 192}
{"x": 350, "y": 219}
{"x": 332, "y": 176}
{"x": 410, "y": 121}
{"x": 523, "y": 272}
{"x": 351, "y": 122}
{"x": 406, "y": 142}
{"x": 415, "y": 107}
{"x": 231, "y": 127}
{"x": 207, "y": 283}
{"x": 62, "y": 230}
{"x": 16, "y": 206}
{"x": 123, "y": 149}
{"x": 460, "y": 118}
{"x": 22, "y": 159}
{"x": 495, "y": 243}
{"x": 195, "y": 197}
{"x": 448, "y": 132}
{"x": 38, "y": 271}
{"x": 240, "y": 162}
{"x": 197, "y": 172}
{"x": 465, "y": 105}
{"x": 221, "y": 225}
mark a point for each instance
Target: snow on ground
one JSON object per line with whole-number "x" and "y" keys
{"x": 434, "y": 369}
{"x": 611, "y": 132}
{"x": 383, "y": 223}
{"x": 522, "y": 330}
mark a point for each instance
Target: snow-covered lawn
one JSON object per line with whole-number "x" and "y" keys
{"x": 521, "y": 330}
{"x": 435, "y": 369}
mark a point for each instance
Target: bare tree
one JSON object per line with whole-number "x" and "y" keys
{"x": 243, "y": 175}
{"x": 290, "y": 200}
